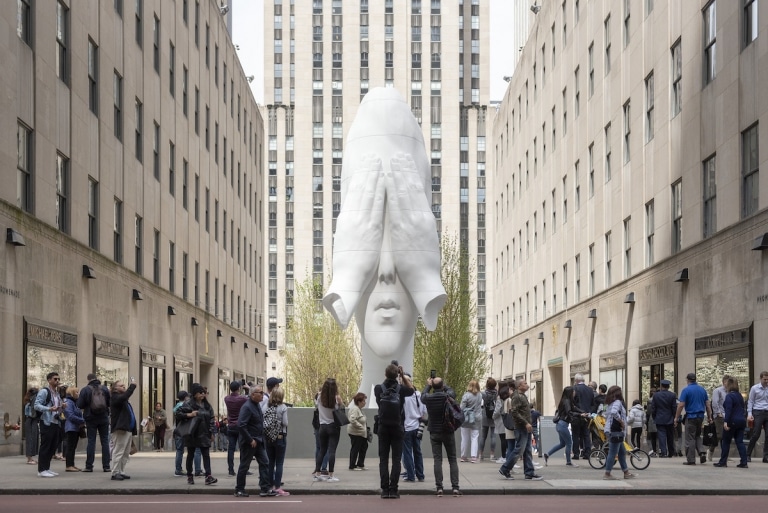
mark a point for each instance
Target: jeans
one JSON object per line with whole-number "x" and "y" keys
{"x": 102, "y": 428}
{"x": 503, "y": 444}
{"x": 390, "y": 440}
{"x": 693, "y": 442}
{"x": 49, "y": 439}
{"x": 192, "y": 453}
{"x": 159, "y": 438}
{"x": 357, "y": 452}
{"x": 761, "y": 424}
{"x": 276, "y": 456}
{"x": 324, "y": 465}
{"x": 246, "y": 457}
{"x": 179, "y": 442}
{"x": 231, "y": 446}
{"x": 522, "y": 447}
{"x": 447, "y": 440}
{"x": 487, "y": 432}
{"x": 666, "y": 434}
{"x": 565, "y": 441}
{"x": 616, "y": 448}
{"x": 413, "y": 461}
{"x": 735, "y": 432}
{"x": 329, "y": 439}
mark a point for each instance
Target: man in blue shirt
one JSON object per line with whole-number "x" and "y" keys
{"x": 695, "y": 400}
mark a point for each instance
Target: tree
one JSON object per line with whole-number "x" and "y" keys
{"x": 454, "y": 348}
{"x": 317, "y": 348}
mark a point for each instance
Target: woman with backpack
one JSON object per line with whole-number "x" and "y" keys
{"x": 275, "y": 434}
{"x": 31, "y": 426}
{"x": 472, "y": 406}
{"x": 198, "y": 411}
{"x": 487, "y": 424}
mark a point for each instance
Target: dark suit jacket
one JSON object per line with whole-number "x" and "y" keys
{"x": 663, "y": 407}
{"x": 585, "y": 397}
{"x": 121, "y": 413}
{"x": 251, "y": 423}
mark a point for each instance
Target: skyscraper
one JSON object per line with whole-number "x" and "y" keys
{"x": 319, "y": 64}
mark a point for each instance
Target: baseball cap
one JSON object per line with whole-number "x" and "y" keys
{"x": 234, "y": 386}
{"x": 271, "y": 382}
{"x": 691, "y": 376}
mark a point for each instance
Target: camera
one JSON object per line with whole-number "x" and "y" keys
{"x": 432, "y": 374}
{"x": 394, "y": 362}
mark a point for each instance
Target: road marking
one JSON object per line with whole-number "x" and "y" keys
{"x": 70, "y": 503}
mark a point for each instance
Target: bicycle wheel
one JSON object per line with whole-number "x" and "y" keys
{"x": 639, "y": 459}
{"x": 597, "y": 459}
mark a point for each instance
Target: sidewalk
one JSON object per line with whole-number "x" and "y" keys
{"x": 152, "y": 473}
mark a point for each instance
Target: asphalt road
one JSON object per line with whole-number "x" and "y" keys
{"x": 374, "y": 504}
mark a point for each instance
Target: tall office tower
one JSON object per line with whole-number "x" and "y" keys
{"x": 629, "y": 221}
{"x": 133, "y": 212}
{"x": 322, "y": 57}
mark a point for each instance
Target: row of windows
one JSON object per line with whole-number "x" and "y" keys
{"x": 512, "y": 258}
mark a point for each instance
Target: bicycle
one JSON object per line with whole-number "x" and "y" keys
{"x": 637, "y": 457}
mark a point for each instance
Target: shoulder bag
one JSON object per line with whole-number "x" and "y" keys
{"x": 340, "y": 417}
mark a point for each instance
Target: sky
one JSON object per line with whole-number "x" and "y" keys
{"x": 248, "y": 34}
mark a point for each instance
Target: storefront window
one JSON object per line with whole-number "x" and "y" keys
{"x": 711, "y": 368}
{"x": 42, "y": 360}
{"x": 183, "y": 382}
{"x": 109, "y": 371}
{"x": 613, "y": 377}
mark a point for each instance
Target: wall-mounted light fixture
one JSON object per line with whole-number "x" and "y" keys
{"x": 245, "y": 344}
{"x": 250, "y": 78}
{"x": 14, "y": 238}
{"x": 88, "y": 272}
{"x": 257, "y": 350}
{"x": 232, "y": 339}
{"x": 195, "y": 322}
{"x": 525, "y": 342}
{"x": 136, "y": 295}
{"x": 592, "y": 314}
{"x": 501, "y": 352}
{"x": 630, "y": 298}
{"x": 535, "y": 8}
{"x": 507, "y": 79}
{"x": 682, "y": 275}
{"x": 540, "y": 336}
{"x": 266, "y": 355}
{"x": 220, "y": 334}
{"x": 223, "y": 9}
{"x": 759, "y": 244}
{"x": 568, "y": 325}
{"x": 512, "y": 347}
{"x": 171, "y": 310}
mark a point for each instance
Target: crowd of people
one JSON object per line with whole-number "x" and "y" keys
{"x": 256, "y": 425}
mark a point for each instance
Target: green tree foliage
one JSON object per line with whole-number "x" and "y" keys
{"x": 453, "y": 349}
{"x": 317, "y": 348}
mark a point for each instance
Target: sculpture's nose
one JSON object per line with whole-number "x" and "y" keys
{"x": 387, "y": 273}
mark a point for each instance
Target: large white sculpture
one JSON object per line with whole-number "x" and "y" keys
{"x": 386, "y": 255}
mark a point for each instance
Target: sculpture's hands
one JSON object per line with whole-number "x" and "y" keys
{"x": 413, "y": 235}
{"x": 357, "y": 241}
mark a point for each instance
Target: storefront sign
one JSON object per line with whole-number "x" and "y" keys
{"x": 152, "y": 358}
{"x": 581, "y": 367}
{"x": 664, "y": 352}
{"x": 537, "y": 375}
{"x": 723, "y": 340}
{"x": 613, "y": 361}
{"x": 5, "y": 291}
{"x": 111, "y": 349}
{"x": 224, "y": 374}
{"x": 183, "y": 364}
{"x": 38, "y": 333}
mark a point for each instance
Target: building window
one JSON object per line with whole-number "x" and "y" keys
{"x": 709, "y": 184}
{"x": 626, "y": 23}
{"x": 139, "y": 24}
{"x": 184, "y": 183}
{"x": 93, "y": 213}
{"x": 677, "y": 216}
{"x": 197, "y": 111}
{"x": 749, "y": 171}
{"x": 627, "y": 132}
{"x": 62, "y": 193}
{"x": 577, "y": 93}
{"x": 710, "y": 41}
{"x": 184, "y": 280}
{"x": 156, "y": 45}
{"x": 649, "y": 104}
{"x": 24, "y": 21}
{"x": 93, "y": 77}
{"x": 117, "y": 230}
{"x": 172, "y": 168}
{"x": 184, "y": 95}
{"x": 608, "y": 261}
{"x": 139, "y": 128}
{"x": 627, "y": 249}
{"x": 156, "y": 258}
{"x": 62, "y": 42}
{"x": 591, "y": 184}
{"x": 591, "y": 80}
{"x": 24, "y": 168}
{"x": 117, "y": 93}
{"x": 591, "y": 264}
{"x": 750, "y": 21}
{"x": 171, "y": 266}
{"x": 607, "y": 132}
{"x": 576, "y": 188}
{"x": 156, "y": 152}
{"x": 197, "y": 197}
{"x": 677, "y": 79}
{"x": 139, "y": 244}
{"x": 577, "y": 281}
{"x": 207, "y": 209}
{"x": 650, "y": 230}
{"x": 607, "y": 37}
{"x": 172, "y": 70}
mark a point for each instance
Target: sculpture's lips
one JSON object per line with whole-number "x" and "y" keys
{"x": 387, "y": 305}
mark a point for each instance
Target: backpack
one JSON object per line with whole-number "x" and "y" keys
{"x": 489, "y": 402}
{"x": 29, "y": 408}
{"x": 453, "y": 417}
{"x": 390, "y": 409}
{"x": 271, "y": 424}
{"x": 98, "y": 403}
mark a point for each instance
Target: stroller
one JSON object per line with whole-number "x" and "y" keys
{"x": 637, "y": 457}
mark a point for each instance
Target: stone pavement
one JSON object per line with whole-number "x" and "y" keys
{"x": 153, "y": 473}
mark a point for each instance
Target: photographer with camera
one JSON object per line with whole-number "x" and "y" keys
{"x": 415, "y": 414}
{"x": 390, "y": 396}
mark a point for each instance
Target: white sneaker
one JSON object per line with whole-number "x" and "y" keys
{"x": 536, "y": 464}
{"x": 516, "y": 466}
{"x": 332, "y": 479}
{"x": 501, "y": 460}
{"x": 46, "y": 473}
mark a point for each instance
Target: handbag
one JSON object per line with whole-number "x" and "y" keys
{"x": 710, "y": 435}
{"x": 187, "y": 428}
{"x": 134, "y": 449}
{"x": 369, "y": 434}
{"x": 340, "y": 417}
{"x": 82, "y": 433}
